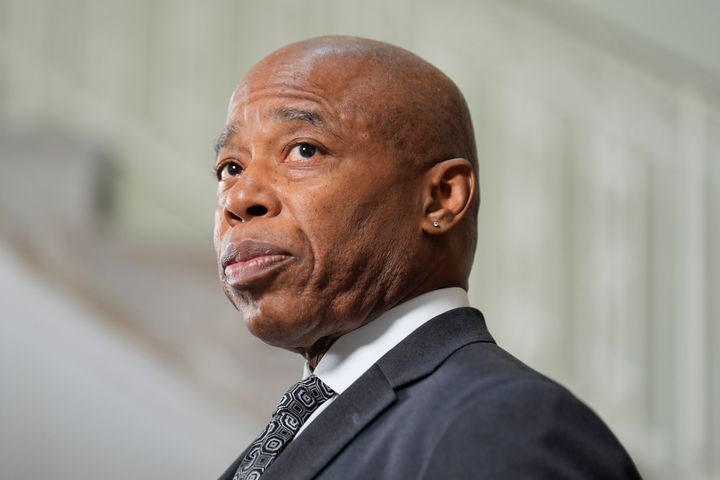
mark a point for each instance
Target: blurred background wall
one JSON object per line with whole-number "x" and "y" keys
{"x": 598, "y": 127}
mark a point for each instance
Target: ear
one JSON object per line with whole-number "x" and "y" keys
{"x": 448, "y": 190}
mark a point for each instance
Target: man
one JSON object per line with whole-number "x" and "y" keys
{"x": 345, "y": 231}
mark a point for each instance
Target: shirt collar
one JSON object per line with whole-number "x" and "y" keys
{"x": 353, "y": 353}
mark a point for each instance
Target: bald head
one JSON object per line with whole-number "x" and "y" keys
{"x": 402, "y": 99}
{"x": 355, "y": 161}
{"x": 391, "y": 94}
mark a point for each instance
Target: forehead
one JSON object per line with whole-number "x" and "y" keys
{"x": 265, "y": 110}
{"x": 334, "y": 86}
{"x": 281, "y": 101}
{"x": 347, "y": 93}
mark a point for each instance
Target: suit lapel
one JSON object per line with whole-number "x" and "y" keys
{"x": 426, "y": 348}
{"x": 413, "y": 358}
{"x": 331, "y": 431}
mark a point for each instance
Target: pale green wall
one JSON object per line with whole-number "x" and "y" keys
{"x": 688, "y": 28}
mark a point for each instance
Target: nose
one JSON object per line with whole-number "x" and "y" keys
{"x": 250, "y": 196}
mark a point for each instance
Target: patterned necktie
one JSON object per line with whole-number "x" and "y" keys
{"x": 294, "y": 409}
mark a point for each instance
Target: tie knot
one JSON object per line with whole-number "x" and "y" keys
{"x": 302, "y": 399}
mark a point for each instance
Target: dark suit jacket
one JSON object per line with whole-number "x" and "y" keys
{"x": 448, "y": 403}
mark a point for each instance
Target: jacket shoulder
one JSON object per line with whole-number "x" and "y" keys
{"x": 505, "y": 420}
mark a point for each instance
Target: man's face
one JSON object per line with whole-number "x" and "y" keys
{"x": 317, "y": 218}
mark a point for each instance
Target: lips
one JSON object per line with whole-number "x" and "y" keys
{"x": 250, "y": 262}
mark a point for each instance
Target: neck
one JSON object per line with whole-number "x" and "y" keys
{"x": 317, "y": 351}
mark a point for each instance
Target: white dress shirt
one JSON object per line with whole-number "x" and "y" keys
{"x": 354, "y": 353}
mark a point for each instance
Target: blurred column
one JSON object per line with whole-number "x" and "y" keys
{"x": 690, "y": 309}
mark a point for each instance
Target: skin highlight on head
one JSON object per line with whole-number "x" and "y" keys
{"x": 339, "y": 157}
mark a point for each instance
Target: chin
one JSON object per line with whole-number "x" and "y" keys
{"x": 272, "y": 332}
{"x": 282, "y": 327}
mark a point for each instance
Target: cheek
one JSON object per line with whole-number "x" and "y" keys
{"x": 345, "y": 231}
{"x": 354, "y": 219}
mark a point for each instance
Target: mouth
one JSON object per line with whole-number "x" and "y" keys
{"x": 249, "y": 262}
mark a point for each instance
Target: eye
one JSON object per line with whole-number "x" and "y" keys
{"x": 229, "y": 169}
{"x": 304, "y": 151}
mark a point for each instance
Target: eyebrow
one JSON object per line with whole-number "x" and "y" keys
{"x": 297, "y": 114}
{"x": 285, "y": 114}
{"x": 308, "y": 116}
{"x": 224, "y": 138}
